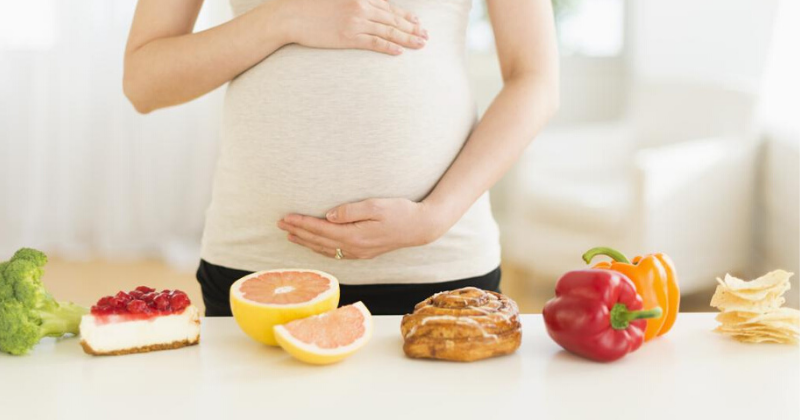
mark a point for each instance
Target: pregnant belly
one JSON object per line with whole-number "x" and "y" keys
{"x": 309, "y": 129}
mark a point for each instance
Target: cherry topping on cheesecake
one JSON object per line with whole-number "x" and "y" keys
{"x": 142, "y": 302}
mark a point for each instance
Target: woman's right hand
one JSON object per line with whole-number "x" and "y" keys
{"x": 374, "y": 25}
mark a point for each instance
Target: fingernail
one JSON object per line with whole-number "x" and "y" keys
{"x": 331, "y": 215}
{"x": 425, "y": 33}
{"x": 396, "y": 49}
{"x": 414, "y": 19}
{"x": 419, "y": 41}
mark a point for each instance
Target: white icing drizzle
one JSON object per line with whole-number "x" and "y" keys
{"x": 457, "y": 320}
{"x": 488, "y": 313}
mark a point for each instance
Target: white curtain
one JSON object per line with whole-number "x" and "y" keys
{"x": 81, "y": 174}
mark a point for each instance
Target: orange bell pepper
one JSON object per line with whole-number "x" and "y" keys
{"x": 656, "y": 282}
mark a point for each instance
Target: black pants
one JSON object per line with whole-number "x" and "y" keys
{"x": 381, "y": 299}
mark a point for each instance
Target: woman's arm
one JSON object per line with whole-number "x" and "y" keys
{"x": 166, "y": 64}
{"x": 526, "y": 46}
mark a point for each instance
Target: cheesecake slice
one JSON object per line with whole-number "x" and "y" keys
{"x": 139, "y": 321}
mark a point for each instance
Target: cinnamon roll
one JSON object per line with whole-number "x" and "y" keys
{"x": 462, "y": 325}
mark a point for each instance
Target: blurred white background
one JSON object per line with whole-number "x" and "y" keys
{"x": 679, "y": 131}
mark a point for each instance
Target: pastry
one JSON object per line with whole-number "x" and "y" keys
{"x": 139, "y": 321}
{"x": 462, "y": 325}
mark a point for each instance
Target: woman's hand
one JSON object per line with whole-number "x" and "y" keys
{"x": 368, "y": 228}
{"x": 363, "y": 24}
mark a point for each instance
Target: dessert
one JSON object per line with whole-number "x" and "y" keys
{"x": 462, "y": 325}
{"x": 329, "y": 337}
{"x": 264, "y": 299}
{"x": 138, "y": 321}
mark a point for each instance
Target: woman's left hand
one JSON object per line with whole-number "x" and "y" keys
{"x": 366, "y": 229}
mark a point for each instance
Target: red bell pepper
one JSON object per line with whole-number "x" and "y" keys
{"x": 597, "y": 314}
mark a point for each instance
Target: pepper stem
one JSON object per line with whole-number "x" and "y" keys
{"x": 621, "y": 317}
{"x": 604, "y": 250}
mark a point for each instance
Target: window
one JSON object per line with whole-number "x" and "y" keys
{"x": 592, "y": 28}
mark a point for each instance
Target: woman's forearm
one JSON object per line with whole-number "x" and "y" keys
{"x": 176, "y": 69}
{"x": 520, "y": 110}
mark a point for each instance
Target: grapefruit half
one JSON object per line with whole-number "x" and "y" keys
{"x": 329, "y": 337}
{"x": 264, "y": 299}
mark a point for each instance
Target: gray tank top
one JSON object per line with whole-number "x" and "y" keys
{"x": 308, "y": 129}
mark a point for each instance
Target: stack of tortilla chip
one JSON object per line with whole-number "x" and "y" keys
{"x": 751, "y": 311}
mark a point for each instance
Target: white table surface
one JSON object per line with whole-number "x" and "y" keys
{"x": 691, "y": 373}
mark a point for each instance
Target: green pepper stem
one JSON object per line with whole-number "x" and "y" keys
{"x": 604, "y": 250}
{"x": 621, "y": 317}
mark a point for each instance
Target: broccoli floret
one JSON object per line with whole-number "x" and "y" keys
{"x": 27, "y": 312}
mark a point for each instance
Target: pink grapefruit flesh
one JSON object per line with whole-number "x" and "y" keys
{"x": 284, "y": 288}
{"x": 336, "y": 328}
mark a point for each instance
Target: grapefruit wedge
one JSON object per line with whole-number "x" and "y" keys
{"x": 264, "y": 299}
{"x": 329, "y": 337}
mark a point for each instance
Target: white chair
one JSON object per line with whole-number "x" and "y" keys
{"x": 778, "y": 220}
{"x": 675, "y": 175}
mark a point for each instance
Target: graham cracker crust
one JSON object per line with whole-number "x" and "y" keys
{"x": 145, "y": 349}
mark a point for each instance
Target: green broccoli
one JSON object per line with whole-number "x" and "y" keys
{"x": 27, "y": 312}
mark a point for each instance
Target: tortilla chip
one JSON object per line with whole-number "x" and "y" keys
{"x": 735, "y": 317}
{"x": 755, "y": 295}
{"x": 786, "y": 318}
{"x": 761, "y": 339}
{"x": 767, "y": 281}
{"x": 727, "y": 301}
{"x": 757, "y": 330}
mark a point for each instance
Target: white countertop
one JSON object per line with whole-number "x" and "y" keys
{"x": 690, "y": 373}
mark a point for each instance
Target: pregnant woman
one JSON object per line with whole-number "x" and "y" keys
{"x": 350, "y": 140}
